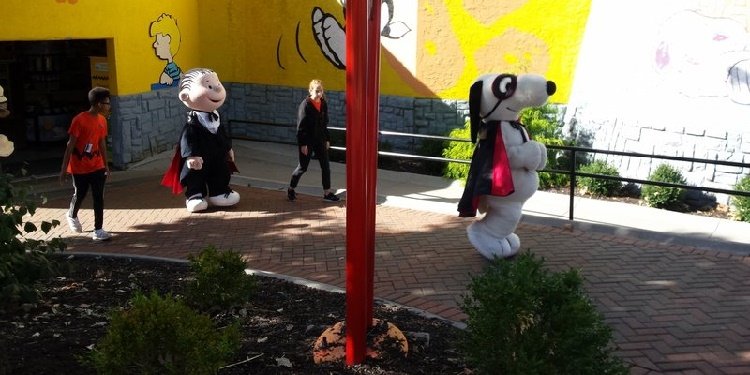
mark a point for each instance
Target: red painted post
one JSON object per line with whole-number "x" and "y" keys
{"x": 372, "y": 108}
{"x": 362, "y": 93}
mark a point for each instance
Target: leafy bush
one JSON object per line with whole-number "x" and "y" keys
{"x": 600, "y": 187}
{"x": 741, "y": 205}
{"x": 544, "y": 127}
{"x": 662, "y": 196}
{"x": 23, "y": 262}
{"x": 523, "y": 319}
{"x": 161, "y": 335}
{"x": 542, "y": 124}
{"x": 220, "y": 280}
{"x": 431, "y": 147}
{"x": 460, "y": 151}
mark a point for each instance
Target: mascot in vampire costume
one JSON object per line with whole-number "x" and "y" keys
{"x": 204, "y": 161}
{"x": 502, "y": 175}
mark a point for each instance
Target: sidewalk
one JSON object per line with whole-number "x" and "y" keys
{"x": 677, "y": 302}
{"x": 269, "y": 166}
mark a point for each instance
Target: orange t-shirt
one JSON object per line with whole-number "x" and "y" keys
{"x": 89, "y": 130}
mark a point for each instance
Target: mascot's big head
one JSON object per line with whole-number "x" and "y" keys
{"x": 201, "y": 90}
{"x": 500, "y": 97}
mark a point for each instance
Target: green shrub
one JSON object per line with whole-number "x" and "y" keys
{"x": 432, "y": 147}
{"x": 600, "y": 187}
{"x": 220, "y": 280}
{"x": 524, "y": 319}
{"x": 161, "y": 335}
{"x": 662, "y": 196}
{"x": 460, "y": 151}
{"x": 542, "y": 125}
{"x": 740, "y": 204}
{"x": 23, "y": 262}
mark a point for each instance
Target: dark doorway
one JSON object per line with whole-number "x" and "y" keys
{"x": 46, "y": 83}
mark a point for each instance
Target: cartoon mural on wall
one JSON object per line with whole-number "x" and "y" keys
{"x": 328, "y": 32}
{"x": 435, "y": 48}
{"x": 704, "y": 55}
{"x": 166, "y": 44}
{"x": 685, "y": 65}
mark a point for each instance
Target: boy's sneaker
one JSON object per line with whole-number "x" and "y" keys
{"x": 100, "y": 235}
{"x": 291, "y": 195}
{"x": 74, "y": 224}
{"x": 330, "y": 197}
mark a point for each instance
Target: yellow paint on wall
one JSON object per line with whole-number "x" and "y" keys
{"x": 123, "y": 23}
{"x": 516, "y": 36}
{"x": 271, "y": 42}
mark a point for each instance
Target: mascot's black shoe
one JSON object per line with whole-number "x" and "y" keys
{"x": 291, "y": 195}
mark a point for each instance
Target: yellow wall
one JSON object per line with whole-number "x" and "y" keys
{"x": 457, "y": 41}
{"x": 462, "y": 39}
{"x": 126, "y": 23}
{"x": 271, "y": 42}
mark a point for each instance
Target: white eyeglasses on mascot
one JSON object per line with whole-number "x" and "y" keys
{"x": 503, "y": 171}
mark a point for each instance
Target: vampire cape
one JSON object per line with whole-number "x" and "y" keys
{"x": 489, "y": 173}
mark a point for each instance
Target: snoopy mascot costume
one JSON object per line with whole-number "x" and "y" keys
{"x": 204, "y": 161}
{"x": 503, "y": 171}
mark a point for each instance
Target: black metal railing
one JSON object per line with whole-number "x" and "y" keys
{"x": 572, "y": 171}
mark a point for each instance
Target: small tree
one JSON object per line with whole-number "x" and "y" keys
{"x": 542, "y": 125}
{"x": 662, "y": 196}
{"x": 599, "y": 187}
{"x": 524, "y": 319}
{"x": 220, "y": 280}
{"x": 460, "y": 151}
{"x": 23, "y": 262}
{"x": 161, "y": 335}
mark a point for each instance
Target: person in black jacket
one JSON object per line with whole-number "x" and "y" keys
{"x": 313, "y": 137}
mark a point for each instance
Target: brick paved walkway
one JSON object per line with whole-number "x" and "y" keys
{"x": 673, "y": 309}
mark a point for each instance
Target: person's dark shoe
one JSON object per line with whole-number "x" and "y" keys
{"x": 291, "y": 195}
{"x": 330, "y": 197}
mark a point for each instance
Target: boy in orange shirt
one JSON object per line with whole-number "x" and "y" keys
{"x": 86, "y": 160}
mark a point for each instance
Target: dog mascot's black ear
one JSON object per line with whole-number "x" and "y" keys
{"x": 475, "y": 105}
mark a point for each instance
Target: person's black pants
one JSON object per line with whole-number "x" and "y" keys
{"x": 321, "y": 152}
{"x": 81, "y": 185}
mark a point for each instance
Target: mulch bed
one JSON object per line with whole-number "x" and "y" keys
{"x": 279, "y": 325}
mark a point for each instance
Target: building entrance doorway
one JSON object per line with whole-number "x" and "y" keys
{"x": 46, "y": 83}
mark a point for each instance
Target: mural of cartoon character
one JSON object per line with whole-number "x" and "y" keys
{"x": 701, "y": 55}
{"x": 330, "y": 34}
{"x": 166, "y": 36}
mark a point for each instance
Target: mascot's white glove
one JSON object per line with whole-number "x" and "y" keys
{"x": 195, "y": 162}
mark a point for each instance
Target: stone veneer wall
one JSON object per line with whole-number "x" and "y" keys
{"x": 666, "y": 140}
{"x": 269, "y": 113}
{"x": 144, "y": 125}
{"x": 147, "y": 124}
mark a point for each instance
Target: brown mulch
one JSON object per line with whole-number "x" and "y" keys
{"x": 282, "y": 322}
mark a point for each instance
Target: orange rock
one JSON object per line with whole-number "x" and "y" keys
{"x": 383, "y": 339}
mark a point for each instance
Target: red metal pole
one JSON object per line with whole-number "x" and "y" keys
{"x": 372, "y": 107}
{"x": 362, "y": 92}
